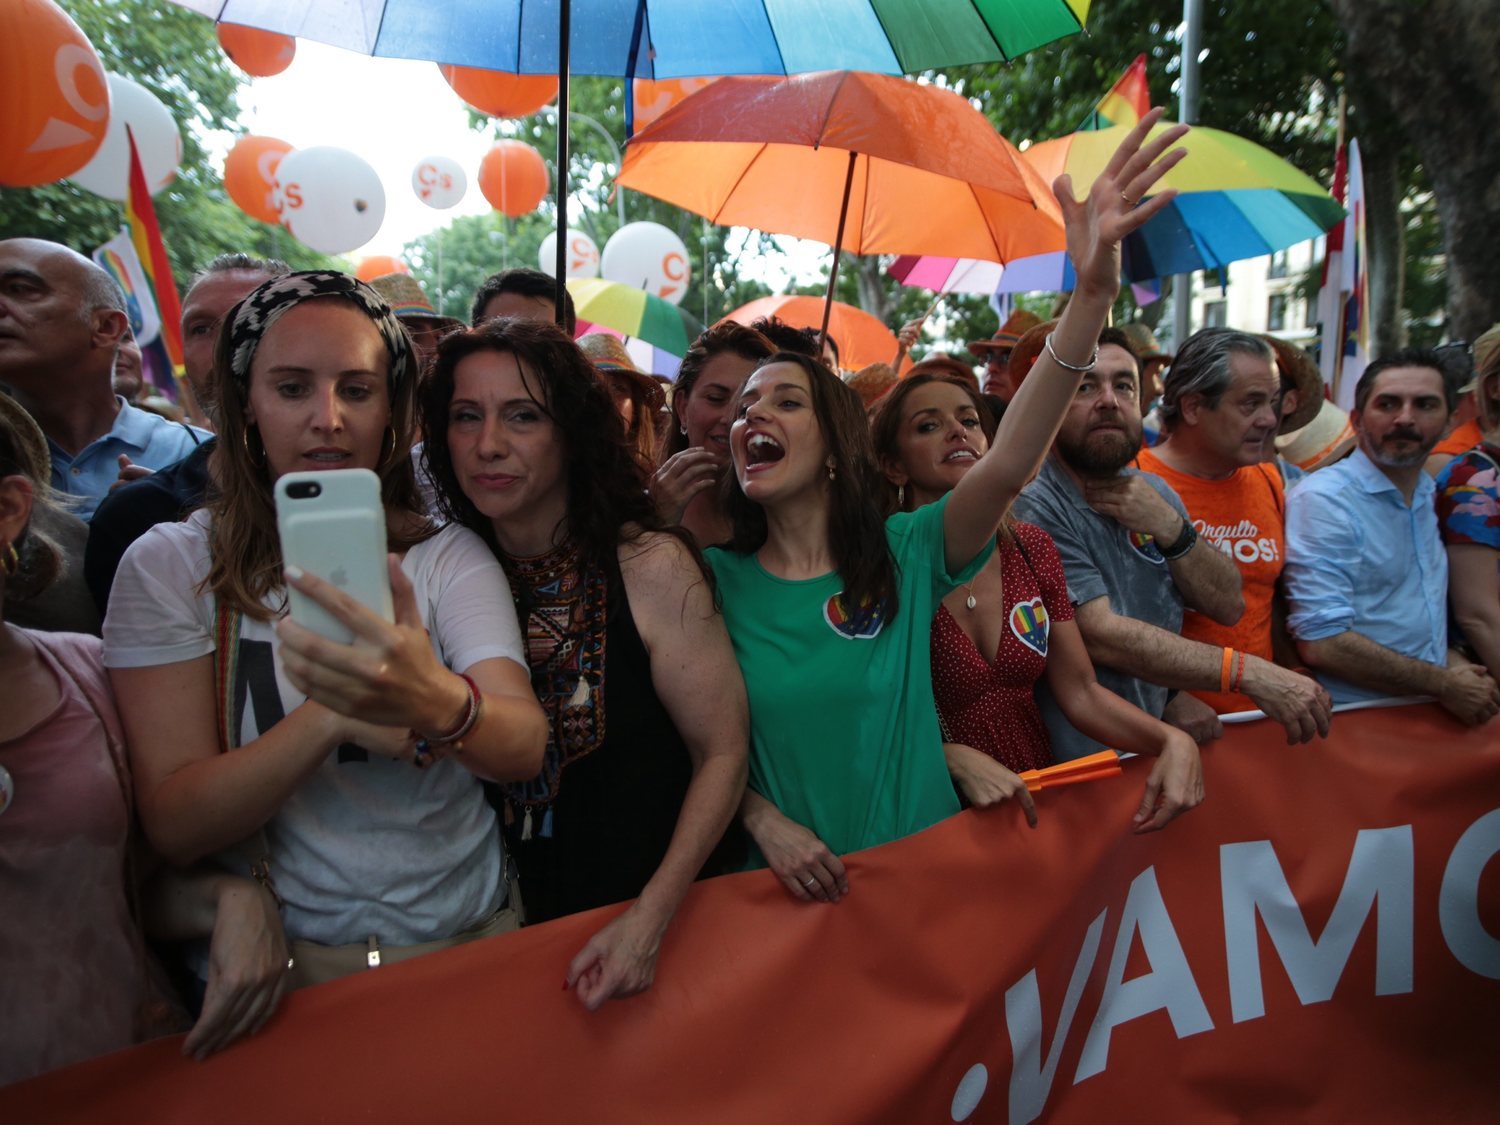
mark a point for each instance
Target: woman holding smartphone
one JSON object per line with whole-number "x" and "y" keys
{"x": 645, "y": 758}
{"x": 275, "y": 751}
{"x": 830, "y": 604}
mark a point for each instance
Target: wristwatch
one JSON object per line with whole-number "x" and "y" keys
{"x": 1182, "y": 544}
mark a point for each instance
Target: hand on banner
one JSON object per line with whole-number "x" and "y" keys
{"x": 1174, "y": 785}
{"x": 682, "y": 477}
{"x": 1297, "y": 702}
{"x": 803, "y": 863}
{"x": 1114, "y": 208}
{"x": 619, "y": 960}
{"x": 984, "y": 782}
{"x": 247, "y": 964}
{"x": 1191, "y": 715}
{"x": 1469, "y": 694}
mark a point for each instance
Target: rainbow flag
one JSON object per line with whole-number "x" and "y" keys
{"x": 1126, "y": 102}
{"x": 145, "y": 236}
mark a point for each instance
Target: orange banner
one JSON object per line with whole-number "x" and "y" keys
{"x": 1319, "y": 941}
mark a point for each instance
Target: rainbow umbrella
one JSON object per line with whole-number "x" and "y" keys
{"x": 634, "y": 313}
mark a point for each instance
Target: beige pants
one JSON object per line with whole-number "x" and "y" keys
{"x": 316, "y": 964}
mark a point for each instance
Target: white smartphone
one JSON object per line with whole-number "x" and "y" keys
{"x": 332, "y": 525}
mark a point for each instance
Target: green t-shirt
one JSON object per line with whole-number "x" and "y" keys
{"x": 843, "y": 728}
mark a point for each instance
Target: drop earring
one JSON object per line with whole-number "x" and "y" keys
{"x": 901, "y": 497}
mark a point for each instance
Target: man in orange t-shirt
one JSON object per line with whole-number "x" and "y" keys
{"x": 1220, "y": 403}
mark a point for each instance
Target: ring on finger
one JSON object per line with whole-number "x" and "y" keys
{"x": 1128, "y": 201}
{"x": 810, "y": 881}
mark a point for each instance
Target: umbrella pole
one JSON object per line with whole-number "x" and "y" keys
{"x": 564, "y": 34}
{"x": 838, "y": 242}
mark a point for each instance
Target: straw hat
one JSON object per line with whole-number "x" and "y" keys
{"x": 407, "y": 300}
{"x": 1321, "y": 442}
{"x": 1016, "y": 326}
{"x": 608, "y": 355}
{"x": 1144, "y": 343}
{"x": 38, "y": 460}
{"x": 1485, "y": 348}
{"x": 1295, "y": 364}
{"x": 873, "y": 381}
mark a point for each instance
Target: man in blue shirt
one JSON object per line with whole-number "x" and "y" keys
{"x": 1366, "y": 575}
{"x": 61, "y": 322}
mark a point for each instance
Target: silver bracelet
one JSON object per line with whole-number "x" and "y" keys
{"x": 1065, "y": 365}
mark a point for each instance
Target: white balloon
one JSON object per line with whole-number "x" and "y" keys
{"x": 330, "y": 199}
{"x": 156, "y": 139}
{"x": 439, "y": 182}
{"x": 648, "y": 256}
{"x": 583, "y": 255}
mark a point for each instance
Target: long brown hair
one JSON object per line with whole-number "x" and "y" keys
{"x": 856, "y": 520}
{"x": 607, "y": 501}
{"x": 885, "y": 428}
{"x": 244, "y": 547}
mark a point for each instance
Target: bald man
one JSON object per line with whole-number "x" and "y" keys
{"x": 62, "y": 319}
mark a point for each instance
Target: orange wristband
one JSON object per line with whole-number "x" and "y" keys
{"x": 1224, "y": 671}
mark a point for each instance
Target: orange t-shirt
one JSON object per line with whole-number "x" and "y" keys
{"x": 1461, "y": 440}
{"x": 1245, "y": 517}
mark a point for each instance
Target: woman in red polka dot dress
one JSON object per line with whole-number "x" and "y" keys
{"x": 994, "y": 638}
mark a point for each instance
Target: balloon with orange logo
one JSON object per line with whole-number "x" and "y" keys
{"x": 379, "y": 265}
{"x": 329, "y": 198}
{"x": 54, "y": 94}
{"x": 583, "y": 255}
{"x": 499, "y": 94}
{"x": 157, "y": 140}
{"x": 513, "y": 177}
{"x": 258, "y": 53}
{"x": 651, "y": 97}
{"x": 250, "y": 175}
{"x": 439, "y": 182}
{"x": 647, "y": 256}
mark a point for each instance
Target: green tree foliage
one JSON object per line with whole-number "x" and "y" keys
{"x": 174, "y": 54}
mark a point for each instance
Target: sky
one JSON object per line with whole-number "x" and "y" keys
{"x": 395, "y": 113}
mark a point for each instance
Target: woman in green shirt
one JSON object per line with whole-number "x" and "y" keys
{"x": 829, "y": 605}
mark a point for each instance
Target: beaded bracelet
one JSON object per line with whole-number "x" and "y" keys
{"x": 1065, "y": 365}
{"x": 1239, "y": 672}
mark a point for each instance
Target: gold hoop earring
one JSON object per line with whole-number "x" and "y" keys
{"x": 386, "y": 454}
{"x": 250, "y": 453}
{"x": 10, "y": 561}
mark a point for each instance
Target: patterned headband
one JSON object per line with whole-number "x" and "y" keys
{"x": 254, "y": 316}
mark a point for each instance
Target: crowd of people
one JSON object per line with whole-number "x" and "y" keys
{"x": 778, "y": 618}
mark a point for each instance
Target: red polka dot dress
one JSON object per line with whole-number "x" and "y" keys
{"x": 992, "y": 706}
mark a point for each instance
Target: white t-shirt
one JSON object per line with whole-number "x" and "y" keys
{"x": 366, "y": 844}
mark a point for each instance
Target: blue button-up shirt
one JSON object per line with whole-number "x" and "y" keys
{"x": 1358, "y": 557}
{"x": 147, "y": 439}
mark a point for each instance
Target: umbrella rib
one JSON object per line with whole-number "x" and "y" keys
{"x": 833, "y": 97}
{"x": 738, "y": 180}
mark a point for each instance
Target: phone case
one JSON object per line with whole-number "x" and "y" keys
{"x": 338, "y": 535}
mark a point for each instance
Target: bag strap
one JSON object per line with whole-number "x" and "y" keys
{"x": 256, "y": 849}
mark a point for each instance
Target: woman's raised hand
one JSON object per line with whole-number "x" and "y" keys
{"x": 1113, "y": 209}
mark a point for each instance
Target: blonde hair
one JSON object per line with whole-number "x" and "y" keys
{"x": 23, "y": 453}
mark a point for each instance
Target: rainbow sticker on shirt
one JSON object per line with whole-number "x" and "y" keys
{"x": 1145, "y": 546}
{"x": 1030, "y": 624}
{"x": 863, "y": 624}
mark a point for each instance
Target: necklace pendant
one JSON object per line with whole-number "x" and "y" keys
{"x": 970, "y": 602}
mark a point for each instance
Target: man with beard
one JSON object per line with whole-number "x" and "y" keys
{"x": 1366, "y": 575}
{"x": 1133, "y": 561}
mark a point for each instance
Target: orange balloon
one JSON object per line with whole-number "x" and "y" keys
{"x": 258, "y": 53}
{"x": 53, "y": 90}
{"x": 513, "y": 178}
{"x": 500, "y": 94}
{"x": 250, "y": 175}
{"x": 379, "y": 265}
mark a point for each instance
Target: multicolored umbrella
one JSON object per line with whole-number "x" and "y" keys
{"x": 862, "y": 339}
{"x": 671, "y": 38}
{"x": 634, "y": 313}
{"x": 1238, "y": 201}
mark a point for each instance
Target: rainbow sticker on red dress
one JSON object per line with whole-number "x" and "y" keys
{"x": 1030, "y": 624}
{"x": 863, "y": 624}
{"x": 1145, "y": 546}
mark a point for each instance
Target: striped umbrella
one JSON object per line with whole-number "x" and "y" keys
{"x": 634, "y": 313}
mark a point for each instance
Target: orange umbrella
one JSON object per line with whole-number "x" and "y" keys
{"x": 865, "y": 162}
{"x": 861, "y": 338}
